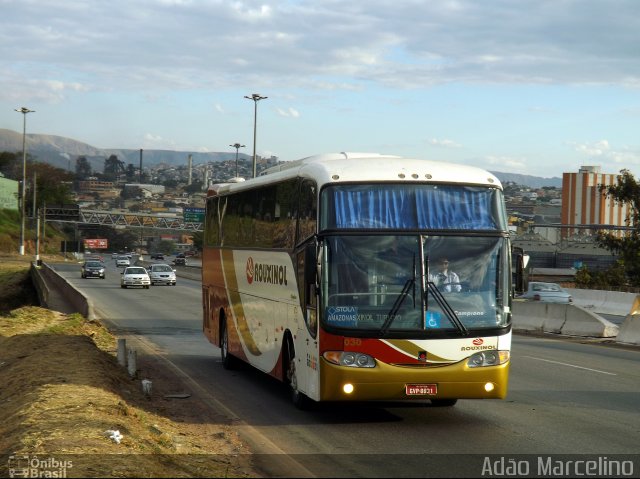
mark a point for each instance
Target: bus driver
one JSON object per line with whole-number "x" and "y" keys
{"x": 445, "y": 280}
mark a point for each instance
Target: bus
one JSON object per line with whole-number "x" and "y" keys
{"x": 321, "y": 272}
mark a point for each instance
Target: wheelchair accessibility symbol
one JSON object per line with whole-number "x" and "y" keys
{"x": 432, "y": 320}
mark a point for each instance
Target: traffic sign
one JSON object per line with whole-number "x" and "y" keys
{"x": 193, "y": 215}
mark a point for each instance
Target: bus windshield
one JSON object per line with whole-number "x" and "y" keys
{"x": 429, "y": 283}
{"x": 412, "y": 206}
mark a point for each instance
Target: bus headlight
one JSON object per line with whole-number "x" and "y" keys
{"x": 491, "y": 357}
{"x": 350, "y": 359}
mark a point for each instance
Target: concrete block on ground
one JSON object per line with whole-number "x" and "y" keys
{"x": 630, "y": 330}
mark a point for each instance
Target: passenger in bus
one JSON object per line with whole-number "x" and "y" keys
{"x": 445, "y": 280}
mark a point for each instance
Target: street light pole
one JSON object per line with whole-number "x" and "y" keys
{"x": 237, "y": 146}
{"x": 256, "y": 98}
{"x": 24, "y": 111}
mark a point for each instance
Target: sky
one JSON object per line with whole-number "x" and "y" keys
{"x": 537, "y": 87}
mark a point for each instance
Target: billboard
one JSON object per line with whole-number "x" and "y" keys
{"x": 96, "y": 244}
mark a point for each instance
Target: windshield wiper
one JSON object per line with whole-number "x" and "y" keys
{"x": 396, "y": 305}
{"x": 411, "y": 282}
{"x": 446, "y": 307}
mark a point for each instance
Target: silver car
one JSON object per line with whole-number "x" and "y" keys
{"x": 123, "y": 261}
{"x": 162, "y": 274}
{"x": 135, "y": 276}
{"x": 547, "y": 293}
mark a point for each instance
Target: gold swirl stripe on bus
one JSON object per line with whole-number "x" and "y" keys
{"x": 236, "y": 302}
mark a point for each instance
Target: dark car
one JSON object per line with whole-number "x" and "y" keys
{"x": 92, "y": 269}
{"x": 180, "y": 260}
{"x": 157, "y": 256}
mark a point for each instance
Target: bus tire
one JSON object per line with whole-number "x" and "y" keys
{"x": 443, "y": 402}
{"x": 299, "y": 399}
{"x": 228, "y": 361}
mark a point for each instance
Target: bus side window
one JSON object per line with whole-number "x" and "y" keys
{"x": 306, "y": 273}
{"x": 211, "y": 229}
{"x": 307, "y": 210}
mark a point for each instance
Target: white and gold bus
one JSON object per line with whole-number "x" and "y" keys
{"x": 323, "y": 273}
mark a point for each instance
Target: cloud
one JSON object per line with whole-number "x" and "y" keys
{"x": 290, "y": 112}
{"x": 444, "y": 143}
{"x": 185, "y": 44}
{"x": 157, "y": 142}
{"x": 598, "y": 148}
{"x": 505, "y": 163}
{"x": 609, "y": 158}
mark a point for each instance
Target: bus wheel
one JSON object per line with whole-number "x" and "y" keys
{"x": 227, "y": 360}
{"x": 443, "y": 402}
{"x": 291, "y": 377}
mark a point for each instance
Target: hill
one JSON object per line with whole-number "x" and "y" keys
{"x": 62, "y": 153}
{"x": 527, "y": 180}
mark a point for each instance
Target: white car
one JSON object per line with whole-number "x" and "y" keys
{"x": 135, "y": 276}
{"x": 162, "y": 274}
{"x": 547, "y": 293}
{"x": 123, "y": 261}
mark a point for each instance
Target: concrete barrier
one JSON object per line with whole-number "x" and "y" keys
{"x": 40, "y": 284}
{"x": 603, "y": 302}
{"x": 53, "y": 284}
{"x": 630, "y": 329}
{"x": 567, "y": 319}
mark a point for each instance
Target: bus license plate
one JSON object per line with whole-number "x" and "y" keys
{"x": 420, "y": 389}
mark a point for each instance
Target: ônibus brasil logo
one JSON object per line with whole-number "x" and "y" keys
{"x": 265, "y": 273}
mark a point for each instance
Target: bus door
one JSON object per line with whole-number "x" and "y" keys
{"x": 306, "y": 343}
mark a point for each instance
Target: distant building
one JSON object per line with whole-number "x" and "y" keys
{"x": 8, "y": 193}
{"x": 137, "y": 188}
{"x": 584, "y": 204}
{"x": 94, "y": 185}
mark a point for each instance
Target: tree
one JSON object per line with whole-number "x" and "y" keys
{"x": 113, "y": 167}
{"x": 194, "y": 187}
{"x": 11, "y": 164}
{"x": 83, "y": 168}
{"x": 627, "y": 246}
{"x": 53, "y": 185}
{"x": 166, "y": 246}
{"x": 131, "y": 172}
{"x": 197, "y": 240}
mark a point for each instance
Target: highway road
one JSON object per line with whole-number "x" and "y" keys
{"x": 567, "y": 397}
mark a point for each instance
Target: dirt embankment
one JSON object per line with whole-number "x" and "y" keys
{"x": 64, "y": 396}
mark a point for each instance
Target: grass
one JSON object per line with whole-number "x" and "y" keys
{"x": 62, "y": 390}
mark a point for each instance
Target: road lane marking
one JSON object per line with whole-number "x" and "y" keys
{"x": 571, "y": 365}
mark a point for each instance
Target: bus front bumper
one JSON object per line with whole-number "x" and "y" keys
{"x": 390, "y": 382}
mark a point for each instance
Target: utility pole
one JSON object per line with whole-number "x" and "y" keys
{"x": 24, "y": 111}
{"x": 237, "y": 146}
{"x": 256, "y": 98}
{"x": 38, "y": 237}
{"x": 33, "y": 207}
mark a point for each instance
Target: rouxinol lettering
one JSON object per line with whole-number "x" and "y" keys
{"x": 270, "y": 273}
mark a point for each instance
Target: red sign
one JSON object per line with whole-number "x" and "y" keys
{"x": 96, "y": 243}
